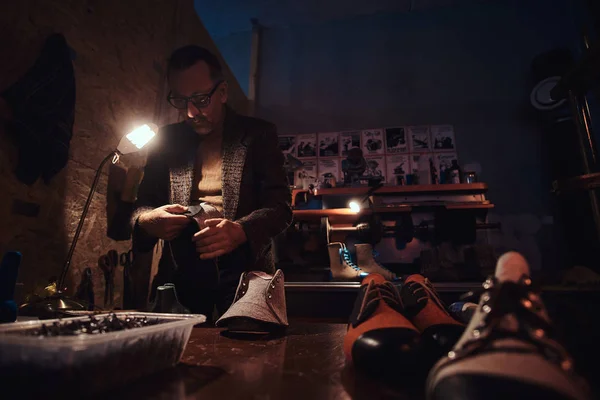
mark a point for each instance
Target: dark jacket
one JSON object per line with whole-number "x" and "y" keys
{"x": 255, "y": 188}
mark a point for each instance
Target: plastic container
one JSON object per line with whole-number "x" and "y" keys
{"x": 88, "y": 364}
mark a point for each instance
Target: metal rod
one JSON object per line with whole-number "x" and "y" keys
{"x": 581, "y": 134}
{"x": 586, "y": 120}
{"x": 86, "y": 207}
{"x": 254, "y": 66}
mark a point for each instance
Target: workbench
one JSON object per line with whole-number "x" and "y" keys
{"x": 405, "y": 211}
{"x": 306, "y": 363}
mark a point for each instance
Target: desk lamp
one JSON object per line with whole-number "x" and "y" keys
{"x": 50, "y": 306}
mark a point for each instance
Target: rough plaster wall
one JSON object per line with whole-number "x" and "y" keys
{"x": 121, "y": 51}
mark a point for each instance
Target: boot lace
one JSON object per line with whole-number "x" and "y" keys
{"x": 345, "y": 256}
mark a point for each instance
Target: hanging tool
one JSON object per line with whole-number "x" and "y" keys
{"x": 108, "y": 263}
{"x": 126, "y": 260}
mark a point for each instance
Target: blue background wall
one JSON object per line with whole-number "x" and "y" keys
{"x": 466, "y": 65}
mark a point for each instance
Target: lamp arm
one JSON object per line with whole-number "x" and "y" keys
{"x": 114, "y": 156}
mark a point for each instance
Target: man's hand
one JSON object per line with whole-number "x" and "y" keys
{"x": 220, "y": 236}
{"x": 163, "y": 222}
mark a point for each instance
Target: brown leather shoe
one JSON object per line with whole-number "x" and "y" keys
{"x": 379, "y": 335}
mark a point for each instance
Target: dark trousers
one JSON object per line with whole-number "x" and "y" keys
{"x": 201, "y": 285}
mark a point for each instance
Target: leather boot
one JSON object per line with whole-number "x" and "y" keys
{"x": 508, "y": 350}
{"x": 341, "y": 264}
{"x": 366, "y": 261}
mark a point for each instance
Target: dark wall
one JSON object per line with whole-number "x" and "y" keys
{"x": 467, "y": 66}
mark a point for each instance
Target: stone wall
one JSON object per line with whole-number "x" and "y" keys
{"x": 121, "y": 48}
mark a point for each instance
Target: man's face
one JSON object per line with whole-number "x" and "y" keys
{"x": 196, "y": 80}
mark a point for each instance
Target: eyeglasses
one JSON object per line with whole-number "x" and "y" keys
{"x": 198, "y": 100}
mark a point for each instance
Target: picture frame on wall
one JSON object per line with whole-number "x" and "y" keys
{"x": 329, "y": 145}
{"x": 420, "y": 140}
{"x": 307, "y": 145}
{"x": 376, "y": 166}
{"x": 396, "y": 140}
{"x": 287, "y": 144}
{"x": 329, "y": 168}
{"x": 349, "y": 140}
{"x": 442, "y": 137}
{"x": 443, "y": 161}
{"x": 307, "y": 174}
{"x": 397, "y": 165}
{"x": 373, "y": 142}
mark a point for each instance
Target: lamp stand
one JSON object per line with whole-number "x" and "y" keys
{"x": 56, "y": 305}
{"x": 114, "y": 156}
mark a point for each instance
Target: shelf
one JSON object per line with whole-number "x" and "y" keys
{"x": 441, "y": 189}
{"x": 345, "y": 214}
{"x": 467, "y": 206}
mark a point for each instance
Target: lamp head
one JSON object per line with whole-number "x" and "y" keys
{"x": 354, "y": 206}
{"x": 137, "y": 138}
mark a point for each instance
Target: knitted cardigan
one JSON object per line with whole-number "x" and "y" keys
{"x": 255, "y": 188}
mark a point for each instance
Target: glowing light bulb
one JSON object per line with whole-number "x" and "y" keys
{"x": 354, "y": 206}
{"x": 141, "y": 136}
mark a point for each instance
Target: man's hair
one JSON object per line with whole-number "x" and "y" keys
{"x": 186, "y": 56}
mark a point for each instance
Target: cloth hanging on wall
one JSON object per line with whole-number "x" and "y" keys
{"x": 43, "y": 106}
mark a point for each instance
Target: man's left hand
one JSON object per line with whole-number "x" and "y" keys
{"x": 220, "y": 236}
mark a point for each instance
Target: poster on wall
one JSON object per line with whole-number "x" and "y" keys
{"x": 329, "y": 168}
{"x": 287, "y": 144}
{"x": 349, "y": 140}
{"x": 372, "y": 142}
{"x": 395, "y": 140}
{"x": 375, "y": 166}
{"x": 397, "y": 165}
{"x": 307, "y": 145}
{"x": 443, "y": 137}
{"x": 329, "y": 145}
{"x": 442, "y": 162}
{"x": 419, "y": 138}
{"x": 420, "y": 168}
{"x": 306, "y": 175}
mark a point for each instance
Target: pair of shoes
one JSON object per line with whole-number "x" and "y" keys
{"x": 508, "y": 349}
{"x": 343, "y": 268}
{"x": 391, "y": 327}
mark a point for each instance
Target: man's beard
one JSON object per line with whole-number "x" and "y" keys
{"x": 200, "y": 125}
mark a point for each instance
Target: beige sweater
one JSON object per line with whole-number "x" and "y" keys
{"x": 207, "y": 173}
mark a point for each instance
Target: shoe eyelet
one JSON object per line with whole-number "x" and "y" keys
{"x": 485, "y": 297}
{"x": 486, "y": 309}
{"x": 476, "y": 333}
{"x": 487, "y": 284}
{"x": 539, "y": 333}
{"x": 270, "y": 296}
{"x": 526, "y": 303}
{"x": 452, "y": 355}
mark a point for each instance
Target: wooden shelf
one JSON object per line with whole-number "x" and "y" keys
{"x": 467, "y": 206}
{"x": 345, "y": 214}
{"x": 363, "y": 190}
{"x": 335, "y": 213}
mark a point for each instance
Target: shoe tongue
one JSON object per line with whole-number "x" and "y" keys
{"x": 511, "y": 266}
{"x": 415, "y": 278}
{"x": 375, "y": 278}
